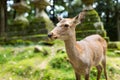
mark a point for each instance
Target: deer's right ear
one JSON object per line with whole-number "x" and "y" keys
{"x": 59, "y": 18}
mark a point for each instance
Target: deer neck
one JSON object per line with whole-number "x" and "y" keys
{"x": 70, "y": 46}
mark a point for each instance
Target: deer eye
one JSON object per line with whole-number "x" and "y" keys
{"x": 66, "y": 25}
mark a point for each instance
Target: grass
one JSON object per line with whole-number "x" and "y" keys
{"x": 19, "y": 62}
{"x": 22, "y": 63}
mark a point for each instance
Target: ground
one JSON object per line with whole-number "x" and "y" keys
{"x": 20, "y": 62}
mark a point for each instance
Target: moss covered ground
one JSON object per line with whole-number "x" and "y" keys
{"x": 22, "y": 63}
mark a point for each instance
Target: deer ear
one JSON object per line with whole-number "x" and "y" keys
{"x": 59, "y": 18}
{"x": 76, "y": 19}
{"x": 79, "y": 18}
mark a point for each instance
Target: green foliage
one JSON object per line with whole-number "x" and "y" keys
{"x": 5, "y": 56}
{"x": 60, "y": 61}
{"x": 91, "y": 25}
{"x": 21, "y": 71}
{"x": 110, "y": 10}
{"x": 114, "y": 45}
{"x": 20, "y": 62}
{"x": 21, "y": 21}
{"x": 82, "y": 34}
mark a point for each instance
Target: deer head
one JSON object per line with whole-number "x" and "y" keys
{"x": 65, "y": 28}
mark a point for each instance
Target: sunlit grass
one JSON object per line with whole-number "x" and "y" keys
{"x": 22, "y": 63}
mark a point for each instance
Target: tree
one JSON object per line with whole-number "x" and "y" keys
{"x": 118, "y": 18}
{"x": 3, "y": 17}
{"x": 109, "y": 11}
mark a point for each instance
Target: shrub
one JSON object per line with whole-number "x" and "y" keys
{"x": 60, "y": 62}
{"x": 114, "y": 45}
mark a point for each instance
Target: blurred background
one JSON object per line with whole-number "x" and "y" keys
{"x": 26, "y": 53}
{"x": 32, "y": 20}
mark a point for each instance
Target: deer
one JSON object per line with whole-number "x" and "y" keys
{"x": 84, "y": 54}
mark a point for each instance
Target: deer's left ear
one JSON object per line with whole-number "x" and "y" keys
{"x": 79, "y": 18}
{"x": 76, "y": 20}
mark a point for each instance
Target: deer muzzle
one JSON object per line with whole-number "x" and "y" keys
{"x": 50, "y": 35}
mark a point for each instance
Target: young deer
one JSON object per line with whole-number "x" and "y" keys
{"x": 83, "y": 54}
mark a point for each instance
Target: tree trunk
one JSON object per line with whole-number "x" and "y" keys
{"x": 2, "y": 17}
{"x": 5, "y": 11}
{"x": 118, "y": 20}
{"x": 118, "y": 26}
{"x": 107, "y": 12}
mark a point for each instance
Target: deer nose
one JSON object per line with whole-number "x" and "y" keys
{"x": 50, "y": 35}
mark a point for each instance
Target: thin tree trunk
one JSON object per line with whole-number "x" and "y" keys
{"x": 107, "y": 13}
{"x": 118, "y": 26}
{"x": 5, "y": 11}
{"x": 2, "y": 17}
{"x": 118, "y": 20}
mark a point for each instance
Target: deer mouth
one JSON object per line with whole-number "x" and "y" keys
{"x": 54, "y": 37}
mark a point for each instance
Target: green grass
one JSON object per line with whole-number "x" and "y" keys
{"x": 19, "y": 62}
{"x": 22, "y": 63}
